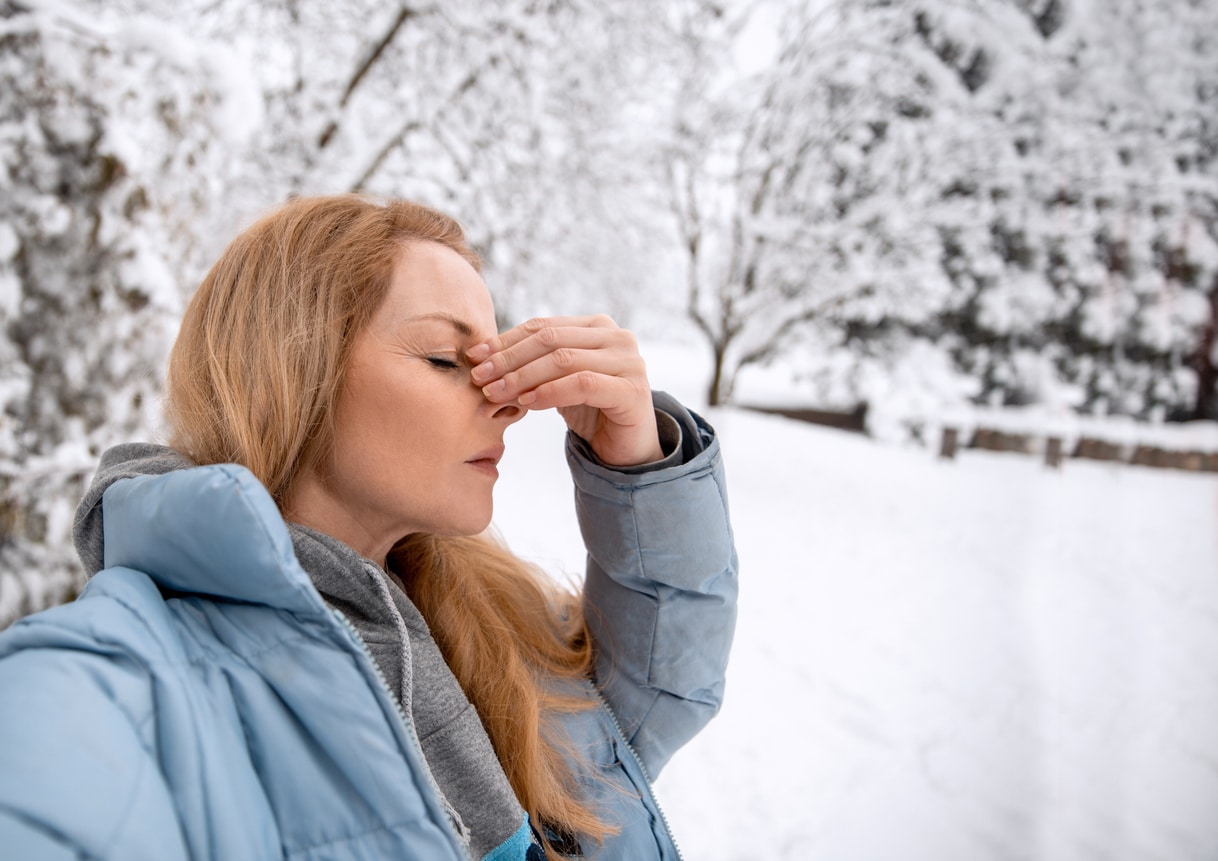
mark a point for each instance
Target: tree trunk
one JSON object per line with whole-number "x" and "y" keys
{"x": 1206, "y": 405}
{"x": 714, "y": 392}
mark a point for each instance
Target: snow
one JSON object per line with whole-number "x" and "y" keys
{"x": 758, "y": 42}
{"x": 972, "y": 659}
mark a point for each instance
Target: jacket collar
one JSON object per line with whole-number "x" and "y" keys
{"x": 211, "y": 530}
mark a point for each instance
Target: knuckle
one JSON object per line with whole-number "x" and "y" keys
{"x": 505, "y": 357}
{"x": 534, "y": 325}
{"x": 547, "y": 336}
{"x": 563, "y": 358}
{"x": 587, "y": 381}
{"x": 604, "y": 321}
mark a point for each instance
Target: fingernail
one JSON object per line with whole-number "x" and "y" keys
{"x": 527, "y": 398}
{"x": 483, "y": 371}
{"x": 494, "y": 389}
{"x": 478, "y": 352}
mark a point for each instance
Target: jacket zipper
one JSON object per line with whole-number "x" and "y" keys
{"x": 617, "y": 726}
{"x": 408, "y": 726}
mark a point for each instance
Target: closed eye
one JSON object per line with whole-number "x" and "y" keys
{"x": 443, "y": 363}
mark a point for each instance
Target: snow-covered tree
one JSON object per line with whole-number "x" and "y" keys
{"x": 1024, "y": 184}
{"x": 1081, "y": 245}
{"x": 107, "y": 146}
{"x": 133, "y": 151}
{"x": 801, "y": 195}
{"x": 1022, "y": 190}
{"x": 518, "y": 117}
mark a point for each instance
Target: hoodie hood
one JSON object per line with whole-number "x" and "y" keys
{"x": 122, "y": 461}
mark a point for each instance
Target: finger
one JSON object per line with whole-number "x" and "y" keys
{"x": 565, "y": 362}
{"x": 617, "y": 397}
{"x": 543, "y": 342}
{"x": 527, "y": 329}
{"x": 550, "y": 341}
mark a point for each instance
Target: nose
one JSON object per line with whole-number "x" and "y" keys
{"x": 505, "y": 414}
{"x": 508, "y": 413}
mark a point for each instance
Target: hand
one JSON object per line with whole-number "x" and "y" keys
{"x": 589, "y": 369}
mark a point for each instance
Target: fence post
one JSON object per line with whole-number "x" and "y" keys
{"x": 1053, "y": 452}
{"x": 947, "y": 448}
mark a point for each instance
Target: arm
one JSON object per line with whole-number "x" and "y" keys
{"x": 661, "y": 584}
{"x": 76, "y": 778}
{"x": 660, "y": 593}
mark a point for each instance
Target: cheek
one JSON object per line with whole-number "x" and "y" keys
{"x": 366, "y": 421}
{"x": 407, "y": 422}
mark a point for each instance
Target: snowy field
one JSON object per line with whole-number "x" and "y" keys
{"x": 976, "y": 660}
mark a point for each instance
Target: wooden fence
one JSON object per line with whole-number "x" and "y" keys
{"x": 1053, "y": 449}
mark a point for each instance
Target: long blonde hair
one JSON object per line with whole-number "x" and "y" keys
{"x": 253, "y": 379}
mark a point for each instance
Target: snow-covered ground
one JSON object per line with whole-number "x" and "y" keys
{"x": 937, "y": 661}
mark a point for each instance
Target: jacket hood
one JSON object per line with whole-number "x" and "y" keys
{"x": 209, "y": 530}
{"x": 123, "y": 461}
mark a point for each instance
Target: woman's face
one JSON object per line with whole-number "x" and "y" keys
{"x": 415, "y": 443}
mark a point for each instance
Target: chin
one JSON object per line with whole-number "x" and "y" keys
{"x": 465, "y": 527}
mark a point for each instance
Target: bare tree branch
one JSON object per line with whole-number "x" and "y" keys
{"x": 397, "y": 138}
{"x": 370, "y": 58}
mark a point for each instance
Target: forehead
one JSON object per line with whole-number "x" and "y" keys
{"x": 432, "y": 279}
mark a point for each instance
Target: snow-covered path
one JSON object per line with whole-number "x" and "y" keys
{"x": 951, "y": 661}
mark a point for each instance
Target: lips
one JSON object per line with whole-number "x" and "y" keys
{"x": 487, "y": 460}
{"x": 492, "y": 455}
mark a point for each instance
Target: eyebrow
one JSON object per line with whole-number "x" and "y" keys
{"x": 460, "y": 325}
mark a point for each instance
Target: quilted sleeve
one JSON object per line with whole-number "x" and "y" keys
{"x": 661, "y": 586}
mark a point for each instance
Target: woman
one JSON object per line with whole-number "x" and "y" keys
{"x": 295, "y": 643}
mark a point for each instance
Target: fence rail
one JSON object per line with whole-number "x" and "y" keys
{"x": 1054, "y": 449}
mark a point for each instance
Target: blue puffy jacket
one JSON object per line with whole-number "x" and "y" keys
{"x": 201, "y": 701}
